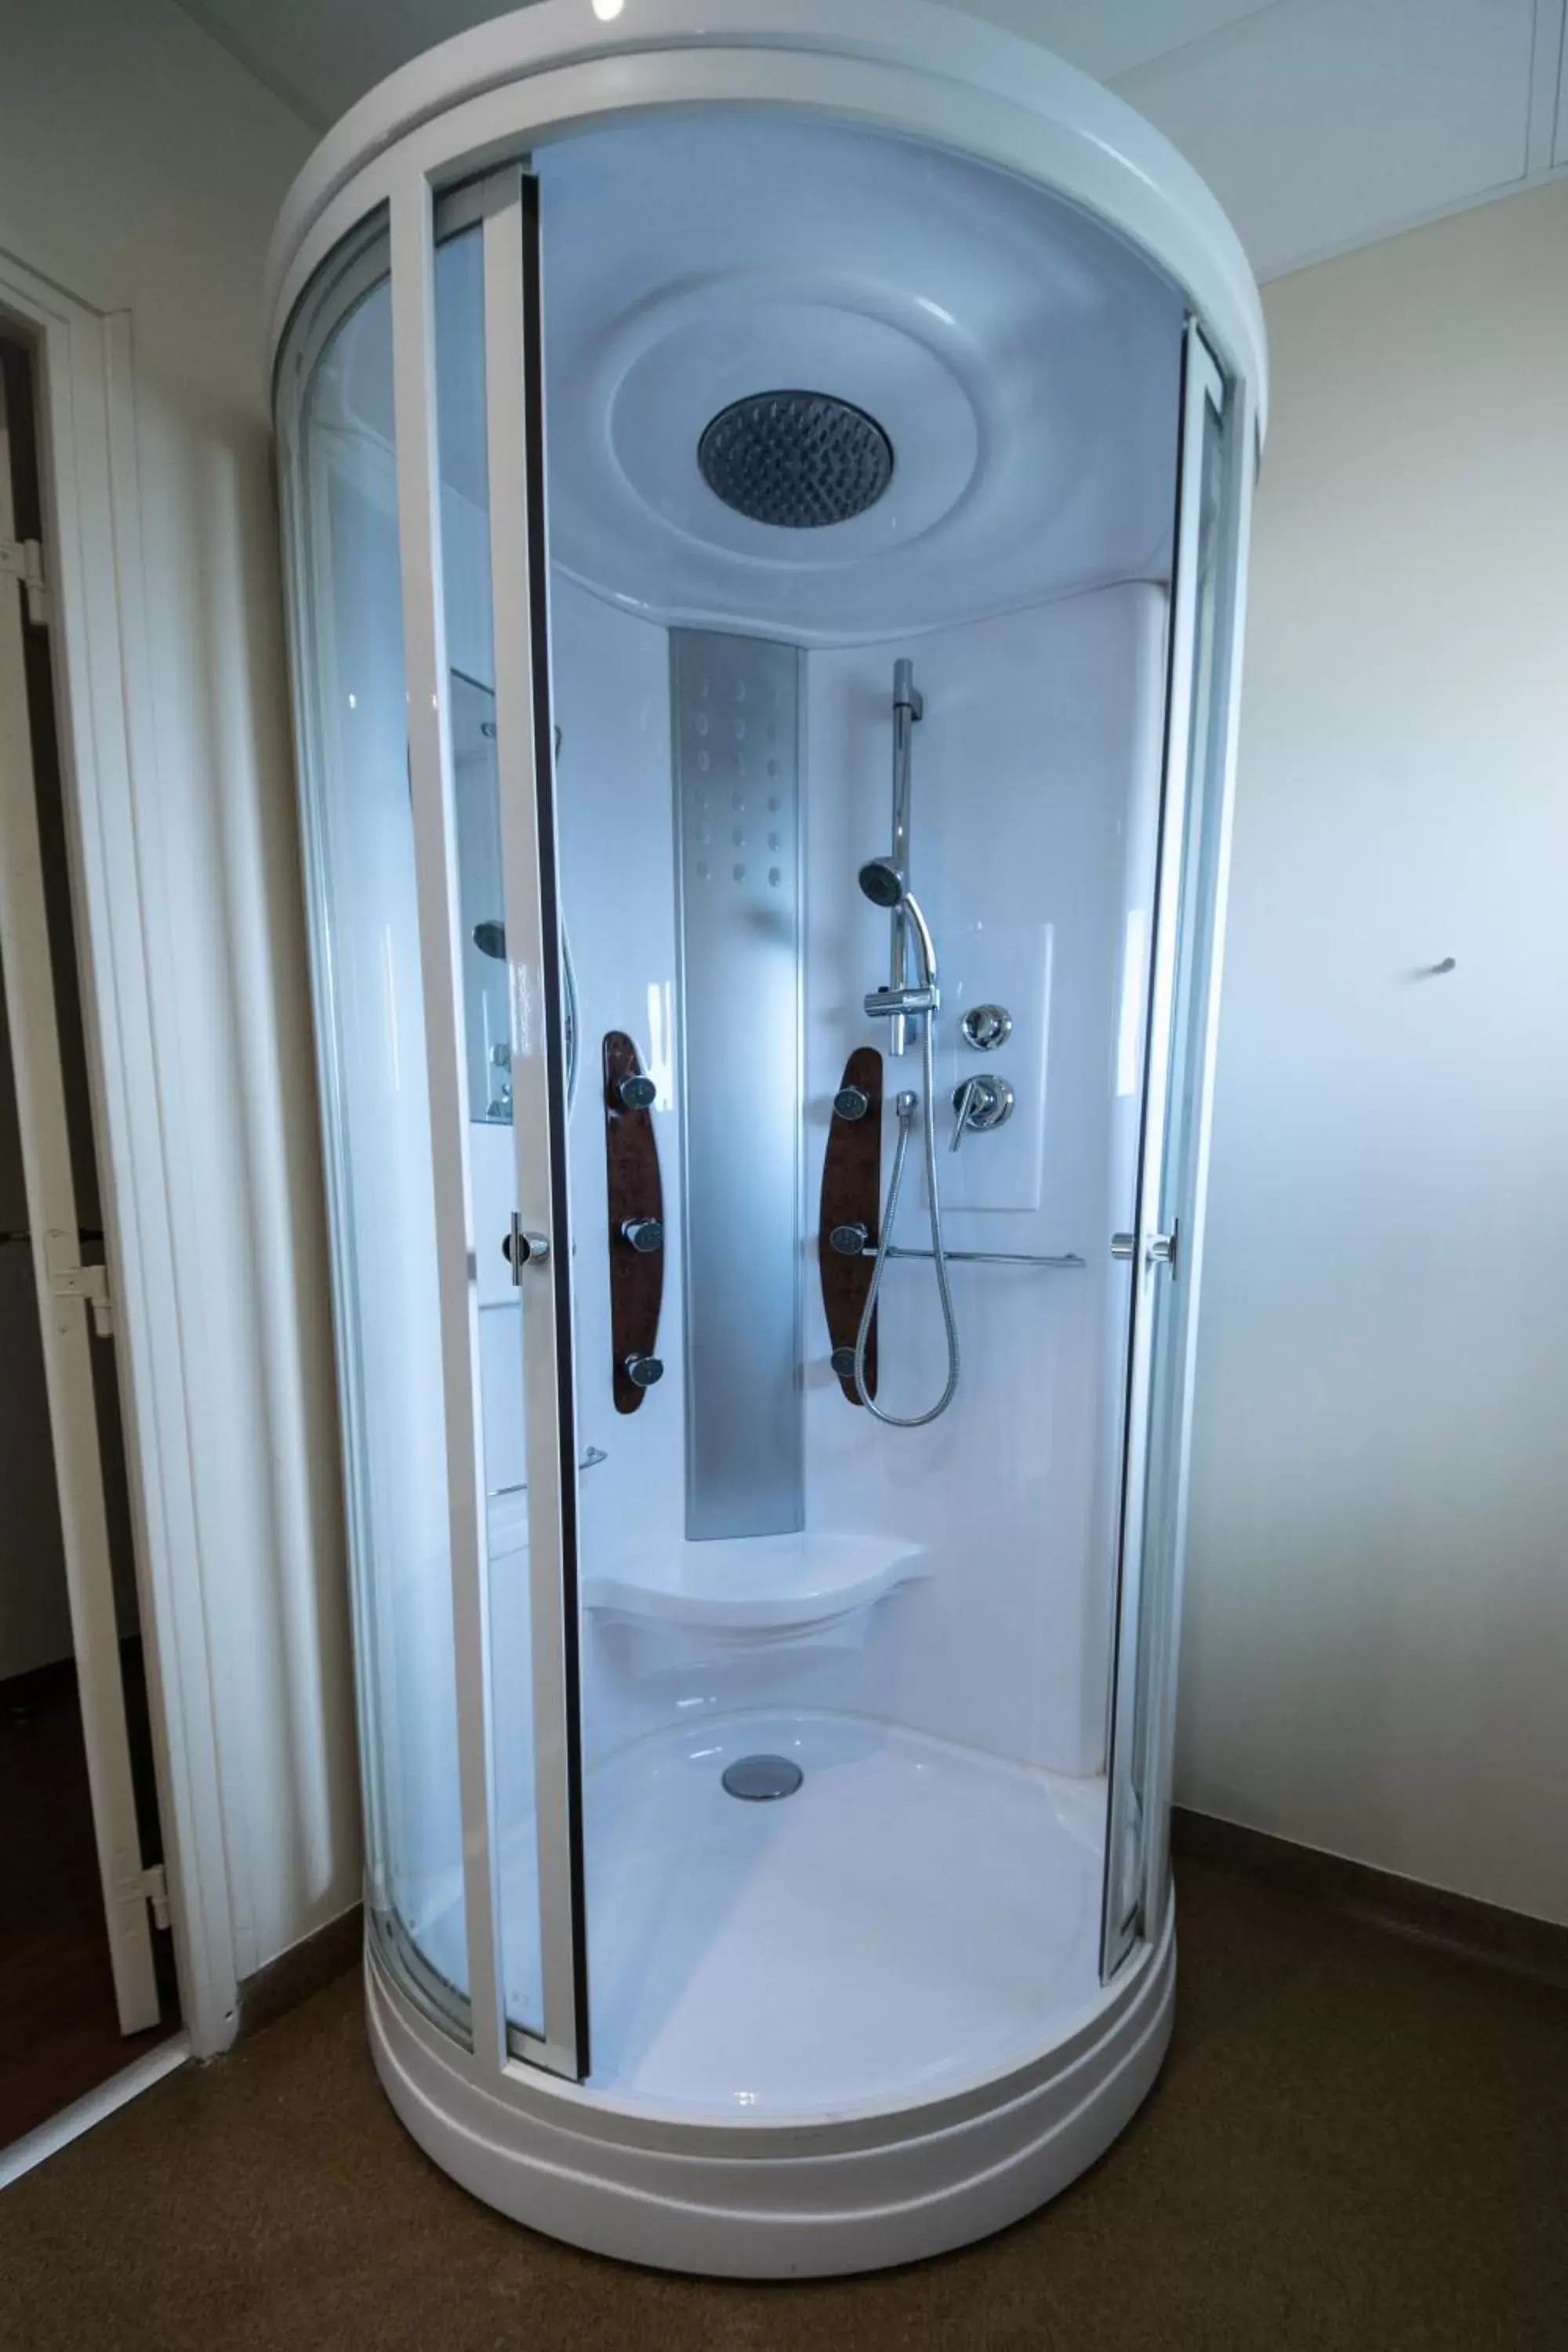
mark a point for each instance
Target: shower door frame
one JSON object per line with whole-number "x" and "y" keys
{"x": 507, "y": 210}
{"x": 1171, "y": 1186}
{"x": 525, "y": 766}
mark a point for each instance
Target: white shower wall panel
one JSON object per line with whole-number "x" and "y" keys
{"x": 1035, "y": 795}
{"x": 1035, "y": 801}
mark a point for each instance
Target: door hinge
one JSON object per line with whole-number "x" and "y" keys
{"x": 69, "y": 1278}
{"x": 23, "y": 560}
{"x": 155, "y": 1888}
{"x": 1163, "y": 1247}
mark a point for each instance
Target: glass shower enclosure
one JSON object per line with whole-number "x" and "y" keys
{"x": 765, "y": 584}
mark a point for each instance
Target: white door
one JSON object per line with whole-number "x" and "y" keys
{"x": 73, "y": 1310}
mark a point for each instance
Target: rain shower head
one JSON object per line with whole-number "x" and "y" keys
{"x": 883, "y": 882}
{"x": 797, "y": 460}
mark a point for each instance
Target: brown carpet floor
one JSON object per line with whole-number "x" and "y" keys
{"x": 59, "y": 2030}
{"x": 1356, "y": 2142}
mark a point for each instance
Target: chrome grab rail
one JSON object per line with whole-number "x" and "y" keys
{"x": 985, "y": 1257}
{"x": 592, "y": 1457}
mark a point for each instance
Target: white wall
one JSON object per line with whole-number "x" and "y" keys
{"x": 141, "y": 168}
{"x": 1375, "y": 1652}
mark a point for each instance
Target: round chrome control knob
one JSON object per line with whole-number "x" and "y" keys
{"x": 851, "y": 1102}
{"x": 645, "y": 1235}
{"x": 843, "y": 1362}
{"x": 849, "y": 1241}
{"x": 636, "y": 1092}
{"x": 986, "y": 1026}
{"x": 643, "y": 1372}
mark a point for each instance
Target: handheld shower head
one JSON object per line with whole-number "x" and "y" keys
{"x": 883, "y": 883}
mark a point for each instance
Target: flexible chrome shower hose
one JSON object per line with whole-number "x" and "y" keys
{"x": 938, "y": 1251}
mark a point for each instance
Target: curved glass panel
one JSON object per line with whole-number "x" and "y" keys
{"x": 1163, "y": 1504}
{"x": 342, "y": 509}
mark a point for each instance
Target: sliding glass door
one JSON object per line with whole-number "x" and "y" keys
{"x": 415, "y": 507}
{"x": 1165, "y": 1249}
{"x": 467, "y": 407}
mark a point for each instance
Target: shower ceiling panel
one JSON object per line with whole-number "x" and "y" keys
{"x": 1019, "y": 360}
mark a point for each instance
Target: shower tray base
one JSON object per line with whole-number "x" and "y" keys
{"x": 764, "y": 2203}
{"x": 843, "y": 2032}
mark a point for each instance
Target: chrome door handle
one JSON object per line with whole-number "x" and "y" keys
{"x": 1160, "y": 1251}
{"x": 521, "y": 1249}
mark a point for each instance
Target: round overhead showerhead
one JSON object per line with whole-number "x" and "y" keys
{"x": 798, "y": 459}
{"x": 883, "y": 882}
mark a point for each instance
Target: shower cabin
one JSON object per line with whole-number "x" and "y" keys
{"x": 765, "y": 502}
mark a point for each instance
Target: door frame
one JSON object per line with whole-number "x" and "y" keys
{"x": 66, "y": 1294}
{"x": 1169, "y": 1212}
{"x": 525, "y": 774}
{"x": 540, "y": 1237}
{"x": 123, "y": 915}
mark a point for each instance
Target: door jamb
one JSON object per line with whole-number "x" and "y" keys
{"x": 122, "y": 910}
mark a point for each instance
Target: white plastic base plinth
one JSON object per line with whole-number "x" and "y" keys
{"x": 801, "y": 2201}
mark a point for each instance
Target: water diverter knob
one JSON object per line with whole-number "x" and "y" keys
{"x": 636, "y": 1092}
{"x": 645, "y": 1235}
{"x": 849, "y": 1241}
{"x": 643, "y": 1372}
{"x": 851, "y": 1102}
{"x": 986, "y": 1026}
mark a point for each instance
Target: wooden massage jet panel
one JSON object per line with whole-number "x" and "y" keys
{"x": 851, "y": 1204}
{"x": 636, "y": 1224}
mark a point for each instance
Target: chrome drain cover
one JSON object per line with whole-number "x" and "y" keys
{"x": 759, "y": 1777}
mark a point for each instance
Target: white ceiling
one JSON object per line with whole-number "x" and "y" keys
{"x": 1320, "y": 124}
